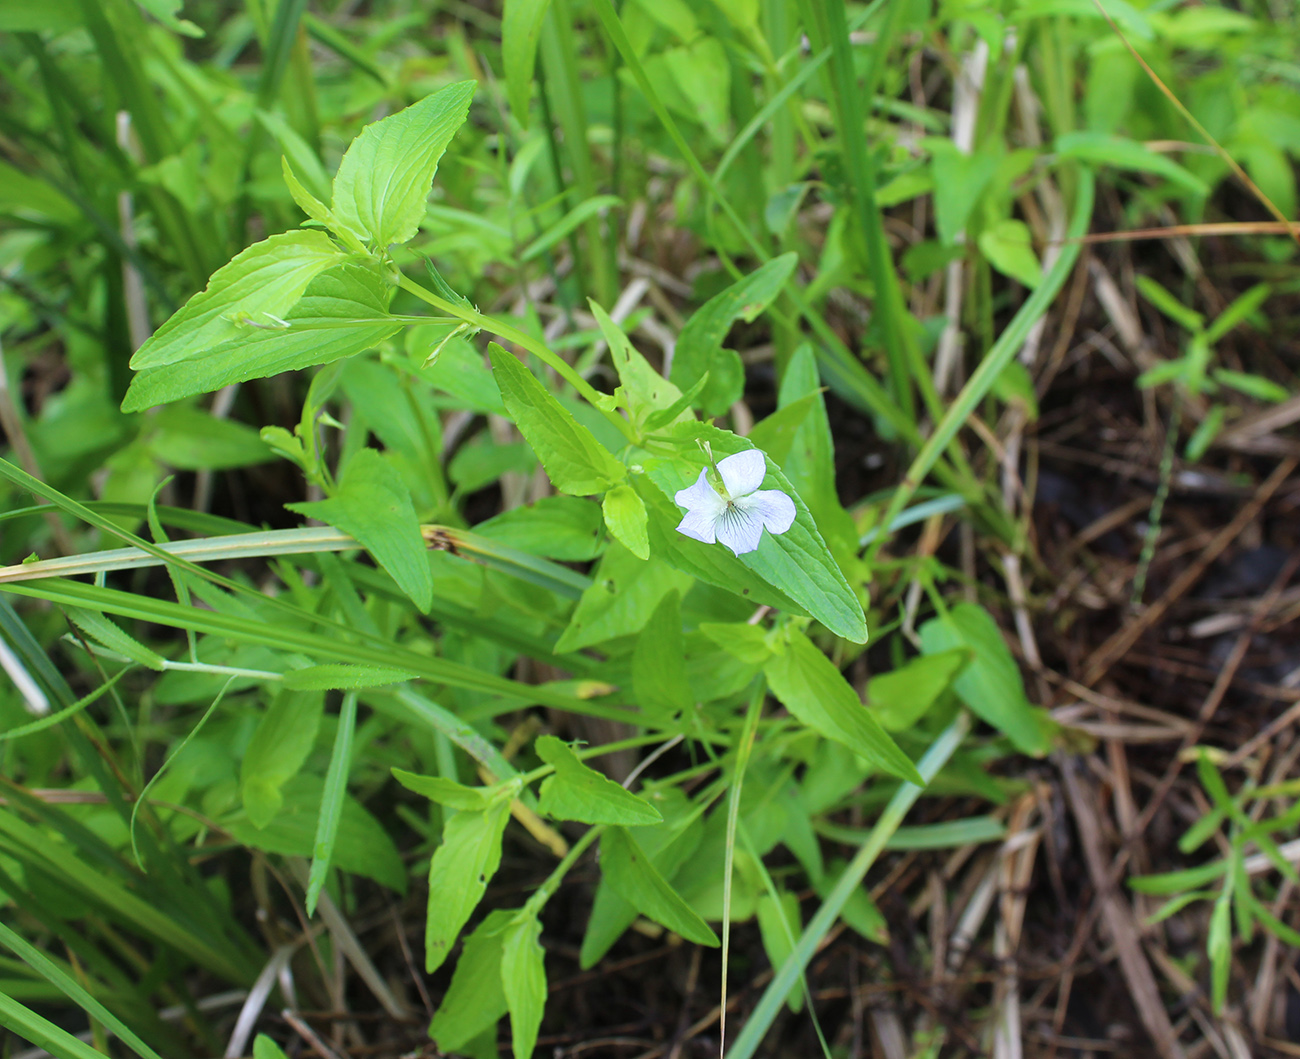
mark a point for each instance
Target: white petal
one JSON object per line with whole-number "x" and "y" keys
{"x": 740, "y": 529}
{"x": 701, "y": 497}
{"x": 773, "y": 508}
{"x": 743, "y": 472}
{"x": 699, "y": 525}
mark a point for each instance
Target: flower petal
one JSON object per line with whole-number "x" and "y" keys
{"x": 699, "y": 525}
{"x": 773, "y": 507}
{"x": 743, "y": 472}
{"x": 740, "y": 529}
{"x": 701, "y": 497}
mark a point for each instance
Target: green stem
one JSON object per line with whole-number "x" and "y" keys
{"x": 552, "y": 883}
{"x": 525, "y": 341}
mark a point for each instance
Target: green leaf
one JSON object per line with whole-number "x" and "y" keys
{"x": 574, "y": 460}
{"x": 459, "y": 873}
{"x": 796, "y": 562}
{"x": 373, "y": 504}
{"x": 446, "y": 791}
{"x": 523, "y": 981}
{"x": 475, "y": 999}
{"x": 576, "y": 216}
{"x": 1009, "y": 248}
{"x": 624, "y": 592}
{"x": 342, "y": 676}
{"x": 709, "y": 563}
{"x": 262, "y": 282}
{"x": 645, "y": 390}
{"x": 191, "y": 440}
{"x": 577, "y": 792}
{"x": 383, "y": 182}
{"x": 901, "y": 698}
{"x": 1158, "y": 296}
{"x": 556, "y": 527}
{"x": 990, "y": 685}
{"x": 779, "y": 925}
{"x": 658, "y": 667}
{"x": 43, "y": 1033}
{"x": 634, "y": 878}
{"x": 279, "y": 748}
{"x": 812, "y": 689}
{"x": 362, "y": 846}
{"x": 114, "y": 637}
{"x": 332, "y": 800}
{"x": 1102, "y": 149}
{"x": 959, "y": 181}
{"x": 342, "y": 312}
{"x": 1238, "y": 311}
{"x": 625, "y": 515}
{"x": 265, "y": 1048}
{"x": 521, "y": 28}
{"x": 699, "y": 346}
{"x": 1255, "y": 386}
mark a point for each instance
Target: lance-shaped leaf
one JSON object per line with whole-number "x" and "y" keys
{"x": 523, "y": 980}
{"x": 342, "y": 312}
{"x": 812, "y": 689}
{"x": 699, "y": 347}
{"x": 658, "y": 663}
{"x": 475, "y": 999}
{"x": 383, "y": 181}
{"x": 261, "y": 284}
{"x": 458, "y": 876}
{"x": 631, "y": 875}
{"x": 577, "y": 792}
{"x": 574, "y": 460}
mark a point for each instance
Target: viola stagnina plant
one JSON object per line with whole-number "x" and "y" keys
{"x": 684, "y": 624}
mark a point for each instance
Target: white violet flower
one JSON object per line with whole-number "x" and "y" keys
{"x": 731, "y": 508}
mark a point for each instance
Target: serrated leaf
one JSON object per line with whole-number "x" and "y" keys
{"x": 634, "y": 878}
{"x": 343, "y": 676}
{"x": 574, "y": 460}
{"x": 797, "y": 562}
{"x": 578, "y": 792}
{"x": 445, "y": 791}
{"x": 699, "y": 346}
{"x": 373, "y": 505}
{"x": 265, "y": 280}
{"x": 991, "y": 684}
{"x": 647, "y": 392}
{"x": 383, "y": 182}
{"x": 709, "y": 563}
{"x": 115, "y": 638}
{"x": 459, "y": 873}
{"x": 625, "y": 515}
{"x": 658, "y": 666}
{"x": 811, "y": 688}
{"x": 475, "y": 999}
{"x": 523, "y": 981}
{"x": 342, "y": 312}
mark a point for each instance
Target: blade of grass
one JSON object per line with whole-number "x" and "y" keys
{"x": 744, "y": 748}
{"x": 43, "y": 1033}
{"x": 983, "y": 378}
{"x": 331, "y": 806}
{"x": 769, "y": 1004}
{"x": 44, "y": 966}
